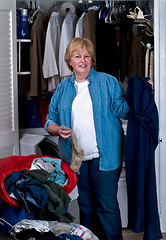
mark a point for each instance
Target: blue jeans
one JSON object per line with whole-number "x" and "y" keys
{"x": 99, "y": 208}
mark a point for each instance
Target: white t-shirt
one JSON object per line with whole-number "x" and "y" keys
{"x": 83, "y": 121}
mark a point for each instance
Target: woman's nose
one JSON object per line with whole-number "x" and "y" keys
{"x": 82, "y": 58}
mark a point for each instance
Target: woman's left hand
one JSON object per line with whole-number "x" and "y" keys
{"x": 151, "y": 82}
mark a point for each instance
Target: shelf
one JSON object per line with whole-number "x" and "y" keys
{"x": 23, "y": 40}
{"x": 24, "y": 73}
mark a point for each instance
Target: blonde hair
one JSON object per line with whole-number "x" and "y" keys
{"x": 76, "y": 44}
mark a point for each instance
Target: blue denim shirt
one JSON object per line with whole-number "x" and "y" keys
{"x": 109, "y": 106}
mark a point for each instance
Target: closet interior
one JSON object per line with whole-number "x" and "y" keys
{"x": 123, "y": 35}
{"x": 121, "y": 31}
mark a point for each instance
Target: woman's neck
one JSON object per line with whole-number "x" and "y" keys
{"x": 80, "y": 79}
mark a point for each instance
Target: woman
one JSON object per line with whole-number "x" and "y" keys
{"x": 91, "y": 104}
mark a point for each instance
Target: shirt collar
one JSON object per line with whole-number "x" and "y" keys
{"x": 91, "y": 76}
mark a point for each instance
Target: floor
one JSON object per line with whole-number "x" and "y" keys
{"x": 127, "y": 235}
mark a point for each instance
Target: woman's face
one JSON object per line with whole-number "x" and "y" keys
{"x": 81, "y": 63}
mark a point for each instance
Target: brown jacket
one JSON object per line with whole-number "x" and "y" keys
{"x": 90, "y": 27}
{"x": 38, "y": 34}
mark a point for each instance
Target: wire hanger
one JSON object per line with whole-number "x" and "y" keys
{"x": 4, "y": 221}
{"x": 34, "y": 11}
{"x": 148, "y": 46}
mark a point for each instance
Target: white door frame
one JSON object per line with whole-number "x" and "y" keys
{"x": 9, "y": 141}
{"x": 160, "y": 97}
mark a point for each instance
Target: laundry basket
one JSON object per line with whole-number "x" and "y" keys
{"x": 11, "y": 211}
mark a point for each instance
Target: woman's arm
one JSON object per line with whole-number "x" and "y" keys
{"x": 56, "y": 130}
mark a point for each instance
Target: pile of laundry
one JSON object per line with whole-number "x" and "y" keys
{"x": 42, "y": 187}
{"x": 39, "y": 182}
{"x": 45, "y": 184}
{"x": 49, "y": 230}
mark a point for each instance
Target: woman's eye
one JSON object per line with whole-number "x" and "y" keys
{"x": 87, "y": 56}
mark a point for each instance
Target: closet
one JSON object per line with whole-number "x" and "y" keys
{"x": 10, "y": 137}
{"x": 123, "y": 36}
{"x": 122, "y": 33}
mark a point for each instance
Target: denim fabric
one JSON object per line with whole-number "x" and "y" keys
{"x": 109, "y": 106}
{"x": 99, "y": 209}
{"x": 32, "y": 191}
{"x": 26, "y": 189}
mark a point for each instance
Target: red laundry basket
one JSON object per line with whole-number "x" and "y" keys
{"x": 10, "y": 210}
{"x": 17, "y": 163}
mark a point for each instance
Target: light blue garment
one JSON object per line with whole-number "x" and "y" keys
{"x": 109, "y": 106}
{"x": 59, "y": 176}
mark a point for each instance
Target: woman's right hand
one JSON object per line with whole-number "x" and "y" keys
{"x": 61, "y": 131}
{"x": 64, "y": 132}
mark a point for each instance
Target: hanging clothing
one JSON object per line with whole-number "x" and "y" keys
{"x": 90, "y": 26}
{"x": 141, "y": 142}
{"x": 151, "y": 67}
{"x": 107, "y": 58}
{"x": 68, "y": 32}
{"x": 149, "y": 64}
{"x": 136, "y": 62}
{"x": 51, "y": 52}
{"x": 37, "y": 81}
{"x": 125, "y": 43}
{"x": 80, "y": 26}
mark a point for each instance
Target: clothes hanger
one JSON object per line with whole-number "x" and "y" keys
{"x": 148, "y": 46}
{"x": 106, "y": 10}
{"x": 102, "y": 5}
{"x": 113, "y": 16}
{"x": 35, "y": 11}
{"x": 140, "y": 20}
{"x": 52, "y": 9}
